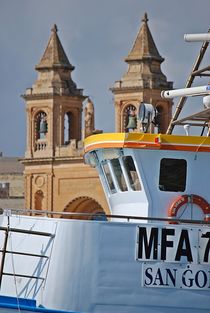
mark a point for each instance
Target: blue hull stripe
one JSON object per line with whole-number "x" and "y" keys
{"x": 25, "y": 305}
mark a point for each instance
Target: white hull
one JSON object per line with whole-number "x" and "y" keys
{"x": 92, "y": 267}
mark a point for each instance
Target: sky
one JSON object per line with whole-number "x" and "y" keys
{"x": 96, "y": 35}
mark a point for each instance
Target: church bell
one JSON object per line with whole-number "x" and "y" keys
{"x": 131, "y": 122}
{"x": 43, "y": 127}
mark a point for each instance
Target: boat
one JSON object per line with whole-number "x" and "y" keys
{"x": 150, "y": 255}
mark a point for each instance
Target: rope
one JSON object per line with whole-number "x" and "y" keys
{"x": 200, "y": 145}
{"x": 15, "y": 279}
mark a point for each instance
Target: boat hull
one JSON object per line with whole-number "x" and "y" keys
{"x": 99, "y": 266}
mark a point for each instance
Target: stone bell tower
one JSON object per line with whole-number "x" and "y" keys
{"x": 54, "y": 104}
{"x": 55, "y": 174}
{"x": 143, "y": 82}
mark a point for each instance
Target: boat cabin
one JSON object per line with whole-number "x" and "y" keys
{"x": 153, "y": 175}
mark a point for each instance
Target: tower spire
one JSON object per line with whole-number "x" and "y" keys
{"x": 145, "y": 18}
{"x": 54, "y": 71}
{"x": 54, "y": 28}
{"x": 54, "y": 55}
{"x": 144, "y": 45}
{"x": 142, "y": 82}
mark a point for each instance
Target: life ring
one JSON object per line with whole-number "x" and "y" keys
{"x": 184, "y": 199}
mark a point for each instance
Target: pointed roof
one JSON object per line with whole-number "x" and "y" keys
{"x": 54, "y": 55}
{"x": 144, "y": 45}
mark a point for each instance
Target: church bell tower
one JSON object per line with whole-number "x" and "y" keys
{"x": 142, "y": 82}
{"x": 55, "y": 174}
{"x": 53, "y": 104}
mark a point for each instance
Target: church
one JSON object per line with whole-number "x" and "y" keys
{"x": 55, "y": 176}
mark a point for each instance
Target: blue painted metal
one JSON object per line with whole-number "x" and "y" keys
{"x": 25, "y": 305}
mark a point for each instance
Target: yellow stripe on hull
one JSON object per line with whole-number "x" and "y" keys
{"x": 147, "y": 141}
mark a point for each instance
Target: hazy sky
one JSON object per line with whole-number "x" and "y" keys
{"x": 96, "y": 35}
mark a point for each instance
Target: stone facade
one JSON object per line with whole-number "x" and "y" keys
{"x": 56, "y": 177}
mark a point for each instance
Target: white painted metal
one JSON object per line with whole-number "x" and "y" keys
{"x": 150, "y": 200}
{"x": 186, "y": 92}
{"x": 206, "y": 102}
{"x": 197, "y": 37}
{"x": 146, "y": 112}
{"x": 93, "y": 267}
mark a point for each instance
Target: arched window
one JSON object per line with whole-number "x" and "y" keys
{"x": 129, "y": 121}
{"x": 68, "y": 118}
{"x": 39, "y": 197}
{"x": 91, "y": 208}
{"x": 41, "y": 125}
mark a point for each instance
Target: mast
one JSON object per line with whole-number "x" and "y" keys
{"x": 195, "y": 72}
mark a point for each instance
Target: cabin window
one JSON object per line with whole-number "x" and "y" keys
{"x": 131, "y": 173}
{"x": 173, "y": 174}
{"x": 119, "y": 174}
{"x": 108, "y": 176}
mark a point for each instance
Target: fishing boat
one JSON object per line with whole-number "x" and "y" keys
{"x": 151, "y": 254}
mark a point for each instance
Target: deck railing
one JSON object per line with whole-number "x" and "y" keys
{"x": 102, "y": 216}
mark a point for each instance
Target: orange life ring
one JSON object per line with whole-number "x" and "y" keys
{"x": 184, "y": 199}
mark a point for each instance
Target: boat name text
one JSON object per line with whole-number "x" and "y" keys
{"x": 163, "y": 275}
{"x": 173, "y": 244}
